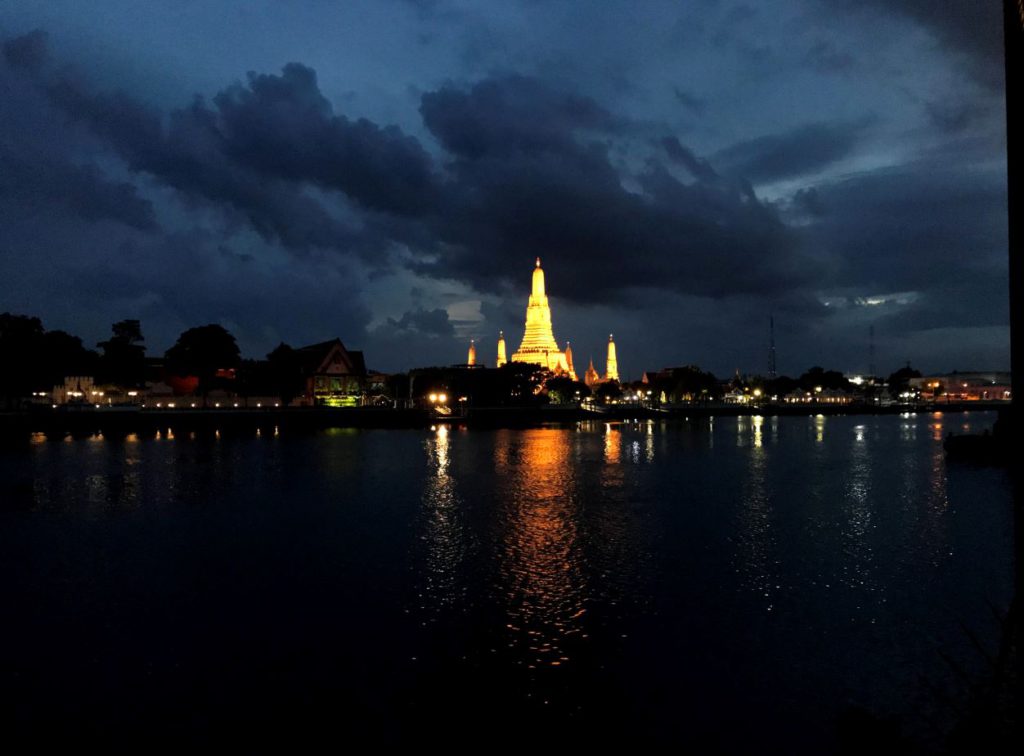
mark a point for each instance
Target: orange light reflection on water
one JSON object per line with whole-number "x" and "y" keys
{"x": 541, "y": 560}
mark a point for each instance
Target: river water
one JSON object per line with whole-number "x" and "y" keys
{"x": 730, "y": 584}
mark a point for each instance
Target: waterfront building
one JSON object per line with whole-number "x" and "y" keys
{"x": 334, "y": 376}
{"x": 964, "y": 387}
{"x": 591, "y": 378}
{"x": 471, "y": 357}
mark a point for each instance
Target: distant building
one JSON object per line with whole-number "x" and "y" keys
{"x": 964, "y": 387}
{"x": 76, "y": 389}
{"x": 591, "y": 378}
{"x": 471, "y": 357}
{"x": 333, "y": 375}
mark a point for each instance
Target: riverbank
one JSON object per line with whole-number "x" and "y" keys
{"x": 133, "y": 420}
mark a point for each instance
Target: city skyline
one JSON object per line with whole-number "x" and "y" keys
{"x": 380, "y": 173}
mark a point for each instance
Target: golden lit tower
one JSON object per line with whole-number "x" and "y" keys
{"x": 591, "y": 378}
{"x": 502, "y": 359}
{"x": 471, "y": 359}
{"x": 539, "y": 346}
{"x": 611, "y": 372}
{"x": 568, "y": 361}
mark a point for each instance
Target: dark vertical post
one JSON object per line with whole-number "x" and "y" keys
{"x": 1013, "y": 24}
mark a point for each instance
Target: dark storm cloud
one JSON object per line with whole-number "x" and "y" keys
{"x": 29, "y": 51}
{"x": 791, "y": 153}
{"x": 284, "y": 127}
{"x": 257, "y": 150}
{"x": 825, "y": 57}
{"x": 970, "y": 27}
{"x": 433, "y": 322}
{"x": 698, "y": 168}
{"x": 807, "y": 202}
{"x": 81, "y": 189}
{"x": 914, "y": 227}
{"x": 534, "y": 173}
{"x": 528, "y": 169}
{"x": 511, "y": 115}
{"x": 689, "y": 101}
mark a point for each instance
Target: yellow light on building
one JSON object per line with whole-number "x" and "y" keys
{"x": 539, "y": 346}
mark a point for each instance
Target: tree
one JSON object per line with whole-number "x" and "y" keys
{"x": 62, "y": 355}
{"x": 285, "y": 373}
{"x": 564, "y": 390}
{"x": 35, "y": 359}
{"x": 608, "y": 390}
{"x": 21, "y": 339}
{"x": 687, "y": 383}
{"x": 124, "y": 356}
{"x": 203, "y": 352}
{"x": 900, "y": 380}
{"x": 826, "y": 379}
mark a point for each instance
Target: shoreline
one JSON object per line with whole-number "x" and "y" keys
{"x": 89, "y": 420}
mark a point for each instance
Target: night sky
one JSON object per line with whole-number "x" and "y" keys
{"x": 386, "y": 172}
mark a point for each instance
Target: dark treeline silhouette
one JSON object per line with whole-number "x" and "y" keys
{"x": 35, "y": 359}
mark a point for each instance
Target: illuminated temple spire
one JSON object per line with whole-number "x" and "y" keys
{"x": 611, "y": 372}
{"x": 568, "y": 361}
{"x": 502, "y": 359}
{"x": 591, "y": 378}
{"x": 539, "y": 346}
{"x": 471, "y": 359}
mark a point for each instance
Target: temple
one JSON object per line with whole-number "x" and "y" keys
{"x": 502, "y": 359}
{"x": 611, "y": 371}
{"x": 471, "y": 357}
{"x": 539, "y": 346}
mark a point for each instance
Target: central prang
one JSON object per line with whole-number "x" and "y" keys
{"x": 539, "y": 346}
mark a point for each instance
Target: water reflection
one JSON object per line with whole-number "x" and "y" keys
{"x": 859, "y": 514}
{"x": 612, "y": 444}
{"x": 756, "y": 561}
{"x": 443, "y": 528}
{"x": 541, "y": 559}
{"x": 612, "y": 473}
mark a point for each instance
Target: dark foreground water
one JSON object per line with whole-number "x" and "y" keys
{"x": 736, "y": 584}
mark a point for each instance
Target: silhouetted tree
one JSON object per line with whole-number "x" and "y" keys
{"x": 899, "y": 380}
{"x": 20, "y": 346}
{"x": 608, "y": 390}
{"x": 202, "y": 352}
{"x": 780, "y": 386}
{"x": 686, "y": 384}
{"x": 285, "y": 373}
{"x": 63, "y": 355}
{"x": 827, "y": 379}
{"x": 563, "y": 390}
{"x": 35, "y": 359}
{"x": 124, "y": 356}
